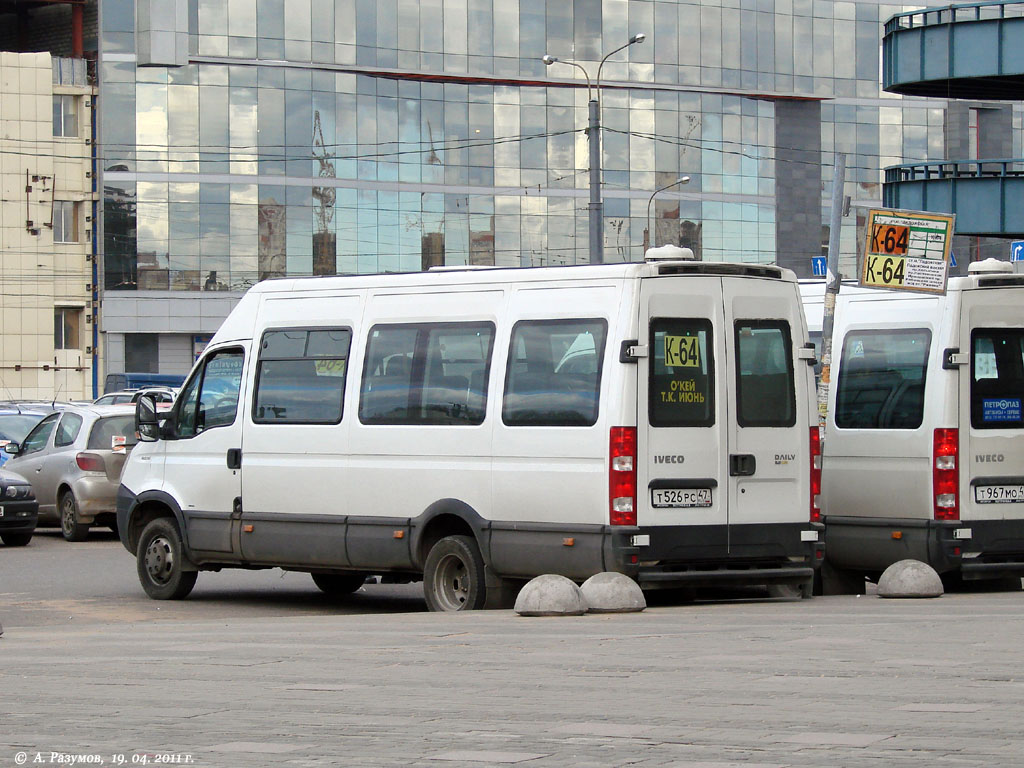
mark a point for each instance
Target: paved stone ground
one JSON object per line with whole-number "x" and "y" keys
{"x": 841, "y": 681}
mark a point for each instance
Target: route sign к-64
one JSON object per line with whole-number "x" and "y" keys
{"x": 907, "y": 250}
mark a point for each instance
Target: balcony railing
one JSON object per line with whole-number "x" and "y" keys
{"x": 956, "y": 169}
{"x": 957, "y": 12}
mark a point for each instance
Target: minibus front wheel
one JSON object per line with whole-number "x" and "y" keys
{"x": 159, "y": 559}
{"x": 453, "y": 575}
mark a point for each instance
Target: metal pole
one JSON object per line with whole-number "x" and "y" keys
{"x": 596, "y": 207}
{"x": 832, "y": 283}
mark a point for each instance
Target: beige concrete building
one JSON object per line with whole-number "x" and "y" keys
{"x": 46, "y": 228}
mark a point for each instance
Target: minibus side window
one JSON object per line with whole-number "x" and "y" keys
{"x": 300, "y": 376}
{"x": 881, "y": 379}
{"x": 765, "y": 394}
{"x": 554, "y": 373}
{"x": 426, "y": 374}
{"x": 210, "y": 398}
{"x": 997, "y": 378}
{"x": 681, "y": 383}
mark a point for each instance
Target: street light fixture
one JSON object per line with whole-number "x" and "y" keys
{"x": 596, "y": 205}
{"x": 649, "y": 232}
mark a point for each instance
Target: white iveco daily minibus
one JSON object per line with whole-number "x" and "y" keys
{"x": 478, "y": 427}
{"x": 924, "y": 443}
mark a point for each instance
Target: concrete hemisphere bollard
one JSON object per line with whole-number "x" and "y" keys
{"x": 550, "y": 595}
{"x": 910, "y": 578}
{"x": 611, "y": 592}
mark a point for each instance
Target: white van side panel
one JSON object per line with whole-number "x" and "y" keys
{"x": 281, "y": 459}
{"x": 548, "y": 473}
{"x": 400, "y": 470}
{"x": 884, "y": 473}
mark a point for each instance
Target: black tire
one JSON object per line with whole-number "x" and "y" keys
{"x": 16, "y": 539}
{"x": 159, "y": 558}
{"x": 339, "y": 584}
{"x": 453, "y": 576}
{"x": 70, "y": 526}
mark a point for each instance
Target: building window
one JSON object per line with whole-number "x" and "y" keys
{"x": 973, "y": 134}
{"x": 141, "y": 352}
{"x": 65, "y": 221}
{"x": 66, "y": 324}
{"x": 65, "y": 115}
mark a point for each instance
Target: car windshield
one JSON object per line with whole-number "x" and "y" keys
{"x": 16, "y": 426}
{"x": 105, "y": 430}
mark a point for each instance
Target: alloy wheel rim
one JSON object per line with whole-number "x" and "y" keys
{"x": 67, "y": 517}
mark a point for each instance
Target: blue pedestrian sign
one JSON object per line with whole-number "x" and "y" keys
{"x": 1017, "y": 250}
{"x": 818, "y": 268}
{"x": 952, "y": 258}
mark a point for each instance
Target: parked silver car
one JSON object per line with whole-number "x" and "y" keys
{"x": 73, "y": 459}
{"x": 161, "y": 396}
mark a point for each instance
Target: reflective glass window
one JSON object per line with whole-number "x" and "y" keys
{"x": 301, "y": 376}
{"x": 554, "y": 373}
{"x": 426, "y": 374}
{"x": 997, "y": 378}
{"x": 681, "y": 378}
{"x": 881, "y": 379}
{"x": 765, "y": 395}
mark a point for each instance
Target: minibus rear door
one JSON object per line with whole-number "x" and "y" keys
{"x": 991, "y": 392}
{"x": 682, "y": 436}
{"x": 769, "y": 472}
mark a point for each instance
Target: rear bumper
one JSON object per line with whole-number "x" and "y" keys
{"x": 95, "y": 495}
{"x": 768, "y": 553}
{"x": 19, "y": 517}
{"x": 979, "y": 549}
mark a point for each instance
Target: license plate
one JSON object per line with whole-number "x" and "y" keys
{"x": 1, "y": 513}
{"x": 999, "y": 494}
{"x": 680, "y": 497}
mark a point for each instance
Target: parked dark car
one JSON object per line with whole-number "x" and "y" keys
{"x": 15, "y": 423}
{"x": 19, "y": 510}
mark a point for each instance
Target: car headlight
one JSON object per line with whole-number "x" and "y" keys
{"x": 18, "y": 492}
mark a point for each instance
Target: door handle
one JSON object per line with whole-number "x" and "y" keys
{"x": 234, "y": 458}
{"x": 742, "y": 464}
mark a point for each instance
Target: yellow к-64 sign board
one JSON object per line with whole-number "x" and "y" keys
{"x": 907, "y": 250}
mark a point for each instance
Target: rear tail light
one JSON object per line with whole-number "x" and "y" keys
{"x": 90, "y": 462}
{"x": 945, "y": 474}
{"x": 622, "y": 476}
{"x": 815, "y": 474}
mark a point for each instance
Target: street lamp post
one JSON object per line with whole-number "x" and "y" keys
{"x": 649, "y": 234}
{"x": 596, "y": 205}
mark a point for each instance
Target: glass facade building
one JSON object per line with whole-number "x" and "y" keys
{"x": 306, "y": 137}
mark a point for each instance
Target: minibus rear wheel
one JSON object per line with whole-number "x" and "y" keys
{"x": 159, "y": 559}
{"x": 453, "y": 576}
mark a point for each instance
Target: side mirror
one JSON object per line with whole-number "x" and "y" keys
{"x": 146, "y": 422}
{"x": 12, "y": 448}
